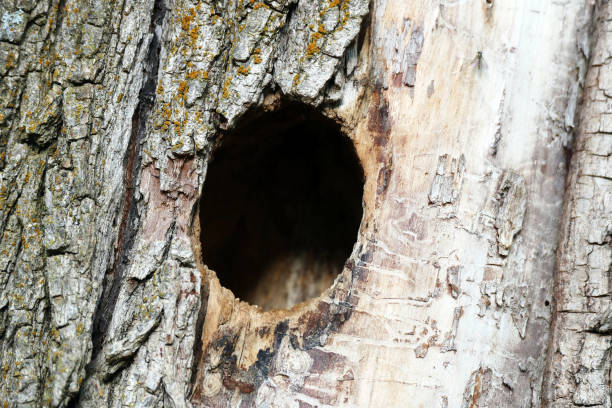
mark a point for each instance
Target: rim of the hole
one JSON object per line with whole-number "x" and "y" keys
{"x": 250, "y": 116}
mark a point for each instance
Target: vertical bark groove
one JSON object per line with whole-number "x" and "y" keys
{"x": 129, "y": 213}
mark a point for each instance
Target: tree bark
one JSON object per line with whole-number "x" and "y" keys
{"x": 479, "y": 275}
{"x": 578, "y": 369}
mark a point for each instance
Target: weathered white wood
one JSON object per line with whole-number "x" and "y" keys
{"x": 456, "y": 308}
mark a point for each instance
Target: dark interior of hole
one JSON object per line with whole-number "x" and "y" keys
{"x": 281, "y": 207}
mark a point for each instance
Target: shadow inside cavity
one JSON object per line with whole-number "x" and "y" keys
{"x": 281, "y": 207}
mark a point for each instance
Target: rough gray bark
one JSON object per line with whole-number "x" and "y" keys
{"x": 578, "y": 370}
{"x": 70, "y": 83}
{"x": 109, "y": 111}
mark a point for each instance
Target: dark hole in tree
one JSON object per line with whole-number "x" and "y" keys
{"x": 281, "y": 206}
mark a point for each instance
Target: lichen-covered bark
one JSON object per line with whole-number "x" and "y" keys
{"x": 578, "y": 370}
{"x": 71, "y": 75}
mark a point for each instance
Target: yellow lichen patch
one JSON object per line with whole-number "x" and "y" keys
{"x": 226, "y": 84}
{"x": 186, "y": 20}
{"x": 312, "y": 48}
{"x": 242, "y": 70}
{"x": 193, "y": 74}
{"x": 257, "y": 56}
{"x": 193, "y": 33}
{"x": 183, "y": 88}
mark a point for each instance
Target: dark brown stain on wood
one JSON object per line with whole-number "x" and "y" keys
{"x": 378, "y": 118}
{"x": 382, "y": 182}
{"x": 243, "y": 387}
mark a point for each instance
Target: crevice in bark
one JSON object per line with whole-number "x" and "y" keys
{"x": 132, "y": 160}
{"x": 281, "y": 206}
{"x": 197, "y": 345}
{"x": 61, "y": 13}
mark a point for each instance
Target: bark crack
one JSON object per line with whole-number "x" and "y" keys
{"x": 129, "y": 218}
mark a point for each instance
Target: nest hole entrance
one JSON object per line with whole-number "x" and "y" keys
{"x": 281, "y": 206}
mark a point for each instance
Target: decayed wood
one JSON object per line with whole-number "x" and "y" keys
{"x": 461, "y": 113}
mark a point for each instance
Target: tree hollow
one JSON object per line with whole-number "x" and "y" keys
{"x": 281, "y": 206}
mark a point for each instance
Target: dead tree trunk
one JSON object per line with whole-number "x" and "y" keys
{"x": 578, "y": 367}
{"x": 383, "y": 182}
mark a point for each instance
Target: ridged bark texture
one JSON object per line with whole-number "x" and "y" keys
{"x": 578, "y": 370}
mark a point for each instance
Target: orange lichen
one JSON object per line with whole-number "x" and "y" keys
{"x": 193, "y": 33}
{"x": 193, "y": 74}
{"x": 186, "y": 22}
{"x": 183, "y": 88}
{"x": 257, "y": 56}
{"x": 226, "y": 84}
{"x": 312, "y": 48}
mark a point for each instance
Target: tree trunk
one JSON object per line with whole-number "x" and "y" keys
{"x": 478, "y": 275}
